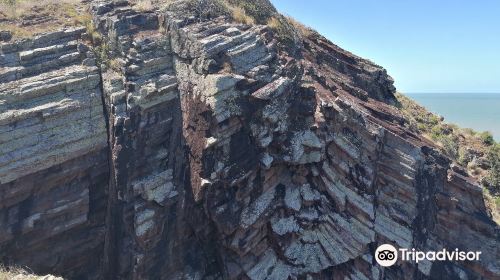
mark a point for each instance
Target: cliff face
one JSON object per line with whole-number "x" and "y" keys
{"x": 210, "y": 151}
{"x": 53, "y": 162}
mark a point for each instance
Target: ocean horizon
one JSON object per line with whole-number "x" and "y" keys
{"x": 479, "y": 111}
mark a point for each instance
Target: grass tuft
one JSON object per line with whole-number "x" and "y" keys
{"x": 143, "y": 5}
{"x": 26, "y": 18}
{"x": 285, "y": 31}
{"x": 237, "y": 12}
{"x": 304, "y": 30}
{"x": 239, "y": 15}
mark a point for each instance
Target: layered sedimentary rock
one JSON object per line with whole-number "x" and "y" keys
{"x": 53, "y": 155}
{"x": 144, "y": 224}
{"x": 230, "y": 157}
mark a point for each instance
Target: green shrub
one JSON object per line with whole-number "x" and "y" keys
{"x": 469, "y": 131}
{"x": 493, "y": 177}
{"x": 436, "y": 132}
{"x": 450, "y": 146}
{"x": 493, "y": 203}
{"x": 487, "y": 138}
{"x": 464, "y": 156}
{"x": 434, "y": 119}
{"x": 421, "y": 127}
{"x": 102, "y": 55}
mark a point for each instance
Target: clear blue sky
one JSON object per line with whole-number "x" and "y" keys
{"x": 426, "y": 45}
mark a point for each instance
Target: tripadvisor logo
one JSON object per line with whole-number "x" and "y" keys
{"x": 387, "y": 255}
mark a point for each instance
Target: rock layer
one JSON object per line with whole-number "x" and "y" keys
{"x": 228, "y": 156}
{"x": 53, "y": 155}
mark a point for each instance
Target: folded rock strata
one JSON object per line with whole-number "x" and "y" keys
{"x": 209, "y": 152}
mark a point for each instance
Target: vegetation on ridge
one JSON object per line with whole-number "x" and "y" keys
{"x": 477, "y": 152}
{"x": 25, "y": 18}
{"x": 289, "y": 31}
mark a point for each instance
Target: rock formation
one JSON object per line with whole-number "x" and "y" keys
{"x": 209, "y": 150}
{"x": 54, "y": 156}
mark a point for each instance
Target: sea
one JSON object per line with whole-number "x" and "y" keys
{"x": 479, "y": 111}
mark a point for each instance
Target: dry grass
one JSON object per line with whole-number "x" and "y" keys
{"x": 16, "y": 273}
{"x": 150, "y": 5}
{"x": 238, "y": 13}
{"x": 226, "y": 67}
{"x": 24, "y": 7}
{"x": 274, "y": 23}
{"x": 259, "y": 10}
{"x": 285, "y": 31}
{"x": 27, "y": 18}
{"x": 305, "y": 31}
{"x": 143, "y": 5}
{"x": 493, "y": 205}
{"x": 115, "y": 64}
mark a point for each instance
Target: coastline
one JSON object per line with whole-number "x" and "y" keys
{"x": 478, "y": 111}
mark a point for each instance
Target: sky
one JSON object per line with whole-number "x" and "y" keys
{"x": 425, "y": 45}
